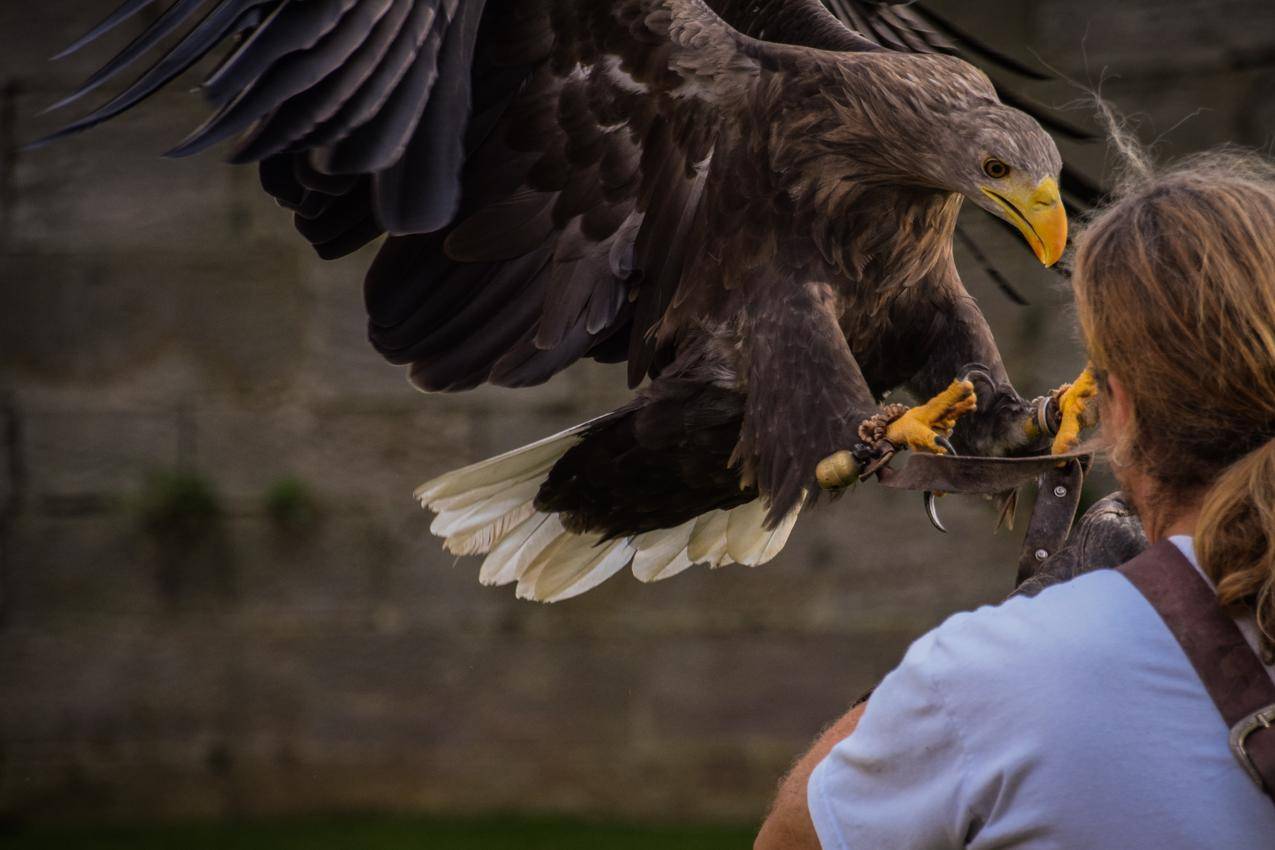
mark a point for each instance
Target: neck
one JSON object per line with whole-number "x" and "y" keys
{"x": 1162, "y": 515}
{"x": 1180, "y": 524}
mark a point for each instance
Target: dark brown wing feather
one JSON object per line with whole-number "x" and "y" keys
{"x": 543, "y": 177}
{"x": 536, "y": 158}
{"x": 579, "y": 178}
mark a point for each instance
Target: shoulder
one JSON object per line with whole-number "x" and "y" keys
{"x": 1087, "y": 607}
{"x": 1035, "y": 717}
{"x": 1009, "y": 703}
{"x": 1054, "y": 645}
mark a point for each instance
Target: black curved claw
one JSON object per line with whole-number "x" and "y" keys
{"x": 930, "y": 500}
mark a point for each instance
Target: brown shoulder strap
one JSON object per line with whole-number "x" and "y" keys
{"x": 1230, "y": 670}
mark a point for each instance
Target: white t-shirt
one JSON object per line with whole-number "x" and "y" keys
{"x": 1072, "y": 720}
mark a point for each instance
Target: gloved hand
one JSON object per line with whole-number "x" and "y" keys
{"x": 1107, "y": 535}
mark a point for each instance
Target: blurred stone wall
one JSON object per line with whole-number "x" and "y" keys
{"x": 218, "y": 597}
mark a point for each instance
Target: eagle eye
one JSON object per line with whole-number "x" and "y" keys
{"x": 995, "y": 169}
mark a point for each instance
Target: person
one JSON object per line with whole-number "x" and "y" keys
{"x": 1074, "y": 718}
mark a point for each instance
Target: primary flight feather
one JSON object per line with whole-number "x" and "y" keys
{"x": 749, "y": 202}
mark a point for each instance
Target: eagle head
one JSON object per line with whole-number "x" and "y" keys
{"x": 933, "y": 122}
{"x": 1002, "y": 160}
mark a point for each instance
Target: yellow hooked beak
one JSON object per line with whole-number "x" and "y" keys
{"x": 1039, "y": 215}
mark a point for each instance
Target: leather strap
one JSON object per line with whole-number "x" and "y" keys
{"x": 1229, "y": 668}
{"x": 1057, "y": 497}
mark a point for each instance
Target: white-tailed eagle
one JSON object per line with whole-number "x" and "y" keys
{"x": 748, "y": 201}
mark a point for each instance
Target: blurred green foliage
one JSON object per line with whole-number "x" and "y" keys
{"x": 178, "y": 507}
{"x": 381, "y": 833}
{"x": 182, "y": 514}
{"x": 291, "y": 505}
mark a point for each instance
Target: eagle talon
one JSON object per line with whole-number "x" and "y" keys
{"x": 922, "y": 427}
{"x": 932, "y": 511}
{"x": 1076, "y": 411}
{"x": 930, "y": 497}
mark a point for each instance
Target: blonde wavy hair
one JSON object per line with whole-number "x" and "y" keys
{"x": 1175, "y": 290}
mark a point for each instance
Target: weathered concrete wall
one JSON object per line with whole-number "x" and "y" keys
{"x": 160, "y": 316}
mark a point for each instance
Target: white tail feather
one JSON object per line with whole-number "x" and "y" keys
{"x": 485, "y": 512}
{"x": 512, "y": 562}
{"x": 516, "y": 465}
{"x": 679, "y": 564}
{"x": 459, "y": 502}
{"x": 657, "y": 550}
{"x": 581, "y": 564}
{"x": 778, "y": 537}
{"x": 748, "y": 540}
{"x": 480, "y": 541}
{"x": 489, "y": 507}
{"x": 493, "y": 571}
{"x": 746, "y": 535}
{"x": 708, "y": 540}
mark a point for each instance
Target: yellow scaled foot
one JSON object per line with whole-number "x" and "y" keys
{"x": 1075, "y": 402}
{"x": 920, "y": 428}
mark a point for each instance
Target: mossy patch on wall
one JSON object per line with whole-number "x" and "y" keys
{"x": 291, "y": 505}
{"x": 181, "y": 515}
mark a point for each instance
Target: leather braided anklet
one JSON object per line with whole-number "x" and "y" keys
{"x": 872, "y": 430}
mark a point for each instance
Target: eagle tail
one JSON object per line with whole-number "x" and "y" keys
{"x": 488, "y": 508}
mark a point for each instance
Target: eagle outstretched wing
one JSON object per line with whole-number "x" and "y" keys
{"x": 538, "y": 164}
